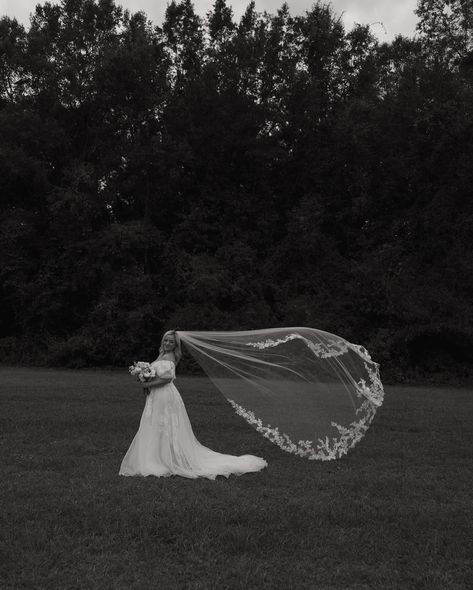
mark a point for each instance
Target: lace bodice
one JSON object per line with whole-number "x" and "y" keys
{"x": 164, "y": 369}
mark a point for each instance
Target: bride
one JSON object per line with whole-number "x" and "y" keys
{"x": 165, "y": 443}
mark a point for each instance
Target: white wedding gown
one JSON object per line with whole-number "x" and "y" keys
{"x": 165, "y": 443}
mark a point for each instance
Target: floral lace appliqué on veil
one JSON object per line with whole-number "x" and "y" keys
{"x": 316, "y": 403}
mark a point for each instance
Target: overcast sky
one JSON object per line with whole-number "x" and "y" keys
{"x": 397, "y": 16}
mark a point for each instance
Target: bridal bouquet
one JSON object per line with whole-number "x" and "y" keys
{"x": 142, "y": 371}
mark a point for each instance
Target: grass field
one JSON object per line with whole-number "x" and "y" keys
{"x": 395, "y": 513}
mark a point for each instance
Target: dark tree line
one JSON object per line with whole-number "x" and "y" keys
{"x": 214, "y": 174}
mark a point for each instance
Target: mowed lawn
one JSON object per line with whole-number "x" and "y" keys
{"x": 395, "y": 513}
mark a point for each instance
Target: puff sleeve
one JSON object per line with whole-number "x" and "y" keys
{"x": 165, "y": 370}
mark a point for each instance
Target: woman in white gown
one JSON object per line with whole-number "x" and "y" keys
{"x": 165, "y": 443}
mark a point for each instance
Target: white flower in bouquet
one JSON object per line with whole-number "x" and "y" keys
{"x": 142, "y": 371}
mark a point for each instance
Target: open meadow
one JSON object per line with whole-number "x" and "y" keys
{"x": 396, "y": 513}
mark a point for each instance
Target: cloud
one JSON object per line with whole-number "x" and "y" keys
{"x": 397, "y": 16}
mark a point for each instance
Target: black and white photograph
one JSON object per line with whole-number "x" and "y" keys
{"x": 236, "y": 295}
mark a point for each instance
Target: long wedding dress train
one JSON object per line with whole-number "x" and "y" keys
{"x": 166, "y": 445}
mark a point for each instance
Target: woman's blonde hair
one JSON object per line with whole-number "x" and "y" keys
{"x": 177, "y": 349}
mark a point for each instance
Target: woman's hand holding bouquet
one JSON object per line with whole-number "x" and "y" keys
{"x": 143, "y": 372}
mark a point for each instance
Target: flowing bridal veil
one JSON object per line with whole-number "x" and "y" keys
{"x": 310, "y": 392}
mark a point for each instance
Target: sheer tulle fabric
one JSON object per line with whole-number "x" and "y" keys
{"x": 165, "y": 443}
{"x": 310, "y": 392}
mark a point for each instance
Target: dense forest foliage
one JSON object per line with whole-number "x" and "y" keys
{"x": 213, "y": 174}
